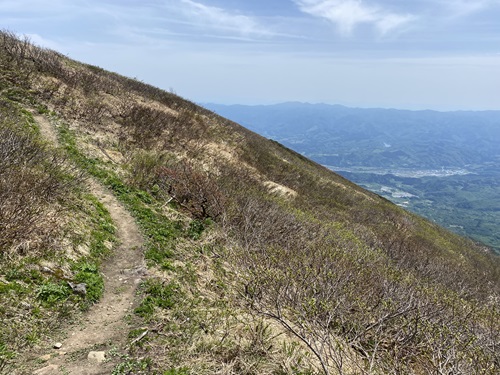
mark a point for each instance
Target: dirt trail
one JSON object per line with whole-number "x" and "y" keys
{"x": 104, "y": 326}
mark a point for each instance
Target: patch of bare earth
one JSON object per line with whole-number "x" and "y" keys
{"x": 103, "y": 327}
{"x": 46, "y": 129}
{"x": 280, "y": 190}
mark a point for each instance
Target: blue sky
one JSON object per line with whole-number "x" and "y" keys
{"x": 436, "y": 54}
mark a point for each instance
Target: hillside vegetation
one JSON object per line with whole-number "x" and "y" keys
{"x": 260, "y": 260}
{"x": 440, "y": 165}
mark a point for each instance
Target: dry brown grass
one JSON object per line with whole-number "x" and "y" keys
{"x": 358, "y": 284}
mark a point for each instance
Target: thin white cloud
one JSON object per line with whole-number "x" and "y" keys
{"x": 43, "y": 42}
{"x": 462, "y": 8}
{"x": 390, "y": 22}
{"x": 223, "y": 20}
{"x": 348, "y": 14}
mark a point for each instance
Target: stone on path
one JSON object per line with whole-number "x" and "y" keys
{"x": 57, "y": 345}
{"x": 98, "y": 357}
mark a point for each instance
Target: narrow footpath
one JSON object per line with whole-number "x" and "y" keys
{"x": 87, "y": 348}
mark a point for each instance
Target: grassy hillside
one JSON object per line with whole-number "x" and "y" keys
{"x": 260, "y": 261}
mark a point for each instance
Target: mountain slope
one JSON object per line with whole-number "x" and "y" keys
{"x": 260, "y": 260}
{"x": 441, "y": 165}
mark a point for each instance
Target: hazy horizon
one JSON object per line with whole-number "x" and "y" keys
{"x": 435, "y": 54}
{"x": 344, "y": 105}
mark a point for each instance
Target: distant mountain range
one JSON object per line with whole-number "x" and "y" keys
{"x": 442, "y": 165}
{"x": 383, "y": 138}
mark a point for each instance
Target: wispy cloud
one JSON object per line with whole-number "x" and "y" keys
{"x": 348, "y": 14}
{"x": 43, "y": 42}
{"x": 461, "y": 8}
{"x": 223, "y": 20}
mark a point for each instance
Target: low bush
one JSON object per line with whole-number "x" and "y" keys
{"x": 33, "y": 180}
{"x": 195, "y": 191}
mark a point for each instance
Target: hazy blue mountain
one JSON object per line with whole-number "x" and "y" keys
{"x": 387, "y": 138}
{"x": 443, "y": 165}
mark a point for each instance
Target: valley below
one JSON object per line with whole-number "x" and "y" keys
{"x": 465, "y": 202}
{"x": 441, "y": 165}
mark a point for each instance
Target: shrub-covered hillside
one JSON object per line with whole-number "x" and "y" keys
{"x": 259, "y": 261}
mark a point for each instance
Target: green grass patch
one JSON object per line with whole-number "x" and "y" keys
{"x": 160, "y": 232}
{"x": 158, "y": 295}
{"x": 132, "y": 366}
{"x": 88, "y": 273}
{"x": 5, "y": 354}
{"x": 52, "y": 294}
{"x": 197, "y": 227}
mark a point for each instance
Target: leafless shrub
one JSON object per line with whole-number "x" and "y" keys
{"x": 145, "y": 124}
{"x": 95, "y": 111}
{"x": 192, "y": 189}
{"x": 16, "y": 65}
{"x": 143, "y": 169}
{"x": 48, "y": 61}
{"x": 348, "y": 303}
{"x": 32, "y": 181}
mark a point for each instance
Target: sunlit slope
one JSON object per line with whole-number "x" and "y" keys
{"x": 261, "y": 261}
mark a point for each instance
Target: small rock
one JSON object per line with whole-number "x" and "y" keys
{"x": 57, "y": 345}
{"x": 98, "y": 357}
{"x": 78, "y": 288}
